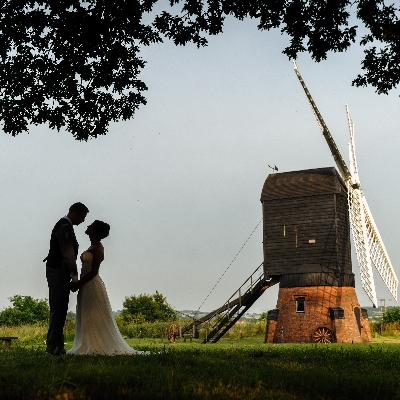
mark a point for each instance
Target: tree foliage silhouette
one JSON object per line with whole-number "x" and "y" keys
{"x": 74, "y": 64}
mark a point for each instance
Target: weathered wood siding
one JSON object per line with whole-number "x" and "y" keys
{"x": 306, "y": 229}
{"x": 307, "y": 182}
{"x": 316, "y": 279}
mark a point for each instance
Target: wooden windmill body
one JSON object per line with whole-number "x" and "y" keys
{"x": 306, "y": 239}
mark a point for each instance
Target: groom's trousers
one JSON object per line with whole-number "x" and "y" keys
{"x": 58, "y": 281}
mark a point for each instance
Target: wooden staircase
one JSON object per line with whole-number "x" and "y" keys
{"x": 221, "y": 320}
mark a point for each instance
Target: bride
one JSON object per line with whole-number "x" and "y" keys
{"x": 96, "y": 331}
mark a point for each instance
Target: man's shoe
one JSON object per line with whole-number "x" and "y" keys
{"x": 55, "y": 351}
{"x": 59, "y": 351}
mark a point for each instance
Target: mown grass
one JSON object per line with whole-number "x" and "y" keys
{"x": 233, "y": 368}
{"x": 239, "y": 369}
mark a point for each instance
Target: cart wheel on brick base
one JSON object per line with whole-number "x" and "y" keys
{"x": 172, "y": 333}
{"x": 323, "y": 335}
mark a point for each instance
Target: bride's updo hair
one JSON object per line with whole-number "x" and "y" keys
{"x": 101, "y": 229}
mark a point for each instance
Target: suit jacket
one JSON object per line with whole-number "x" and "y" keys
{"x": 55, "y": 258}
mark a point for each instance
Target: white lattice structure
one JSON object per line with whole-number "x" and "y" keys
{"x": 370, "y": 250}
{"x": 379, "y": 256}
{"x": 358, "y": 229}
{"x": 368, "y": 243}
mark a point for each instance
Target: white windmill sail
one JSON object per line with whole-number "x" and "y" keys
{"x": 368, "y": 243}
{"x": 357, "y": 220}
{"x": 337, "y": 156}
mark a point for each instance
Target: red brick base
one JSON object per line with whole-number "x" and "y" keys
{"x": 300, "y": 327}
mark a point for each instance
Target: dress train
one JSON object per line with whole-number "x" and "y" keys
{"x": 96, "y": 331}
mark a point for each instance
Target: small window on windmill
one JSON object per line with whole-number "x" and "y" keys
{"x": 336, "y": 313}
{"x": 300, "y": 304}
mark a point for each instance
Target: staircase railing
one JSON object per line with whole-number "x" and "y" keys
{"x": 222, "y": 319}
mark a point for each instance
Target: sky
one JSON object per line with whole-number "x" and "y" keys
{"x": 180, "y": 183}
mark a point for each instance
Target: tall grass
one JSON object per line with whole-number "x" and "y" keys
{"x": 26, "y": 334}
{"x": 385, "y": 329}
{"x": 159, "y": 329}
{"x": 35, "y": 334}
{"x": 246, "y": 329}
{"x": 145, "y": 330}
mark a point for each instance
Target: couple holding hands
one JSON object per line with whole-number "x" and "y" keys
{"x": 96, "y": 331}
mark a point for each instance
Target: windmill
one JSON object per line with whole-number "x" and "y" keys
{"x": 370, "y": 250}
{"x": 307, "y": 217}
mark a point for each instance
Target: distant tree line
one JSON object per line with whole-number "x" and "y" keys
{"x": 26, "y": 310}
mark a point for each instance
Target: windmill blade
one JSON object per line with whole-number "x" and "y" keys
{"x": 361, "y": 240}
{"x": 369, "y": 246}
{"x": 357, "y": 220}
{"x": 379, "y": 256}
{"x": 368, "y": 243}
{"x": 352, "y": 150}
{"x": 337, "y": 156}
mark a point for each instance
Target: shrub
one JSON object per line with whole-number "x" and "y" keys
{"x": 385, "y": 329}
{"x": 391, "y": 315}
{"x": 263, "y": 317}
{"x": 25, "y": 310}
{"x": 146, "y": 308}
{"x": 69, "y": 330}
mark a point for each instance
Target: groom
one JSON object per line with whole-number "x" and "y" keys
{"x": 60, "y": 269}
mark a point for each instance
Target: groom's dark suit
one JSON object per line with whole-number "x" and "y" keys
{"x": 63, "y": 244}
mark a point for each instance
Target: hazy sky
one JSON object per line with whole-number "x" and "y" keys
{"x": 180, "y": 184}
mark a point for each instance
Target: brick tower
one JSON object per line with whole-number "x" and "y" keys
{"x": 307, "y": 247}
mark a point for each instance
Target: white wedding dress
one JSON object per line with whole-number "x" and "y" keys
{"x": 96, "y": 331}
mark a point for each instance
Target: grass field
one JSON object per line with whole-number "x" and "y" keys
{"x": 231, "y": 369}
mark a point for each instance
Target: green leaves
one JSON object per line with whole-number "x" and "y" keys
{"x": 381, "y": 64}
{"x": 391, "y": 315}
{"x": 71, "y": 64}
{"x": 25, "y": 310}
{"x": 147, "y": 308}
{"x": 75, "y": 64}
